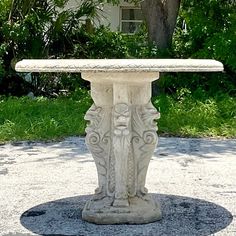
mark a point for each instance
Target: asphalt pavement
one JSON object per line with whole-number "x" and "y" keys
{"x": 44, "y": 186}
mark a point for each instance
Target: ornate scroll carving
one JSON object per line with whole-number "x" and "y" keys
{"x": 121, "y": 136}
{"x": 98, "y": 141}
{"x": 121, "y": 139}
{"x": 144, "y": 141}
{"x": 122, "y": 160}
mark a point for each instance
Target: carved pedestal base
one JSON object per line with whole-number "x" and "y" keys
{"x": 139, "y": 211}
{"x": 122, "y": 137}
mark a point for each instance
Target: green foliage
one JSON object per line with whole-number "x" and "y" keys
{"x": 38, "y": 29}
{"x": 43, "y": 29}
{"x": 103, "y": 43}
{"x": 200, "y": 104}
{"x": 35, "y": 29}
{"x": 200, "y": 21}
{"x": 190, "y": 115}
{"x": 186, "y": 115}
{"x": 207, "y": 29}
{"x": 42, "y": 119}
{"x": 210, "y": 83}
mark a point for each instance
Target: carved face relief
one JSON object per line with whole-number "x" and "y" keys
{"x": 149, "y": 114}
{"x": 121, "y": 119}
{"x": 94, "y": 116}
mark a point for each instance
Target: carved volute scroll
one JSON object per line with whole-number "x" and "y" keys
{"x": 144, "y": 141}
{"x": 98, "y": 140}
{"x": 127, "y": 152}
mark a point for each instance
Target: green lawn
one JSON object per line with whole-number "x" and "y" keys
{"x": 52, "y": 119}
{"x": 41, "y": 119}
{"x": 191, "y": 117}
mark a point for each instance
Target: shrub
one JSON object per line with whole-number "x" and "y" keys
{"x": 206, "y": 30}
{"x": 37, "y": 29}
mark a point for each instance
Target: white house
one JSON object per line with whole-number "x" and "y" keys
{"x": 124, "y": 17}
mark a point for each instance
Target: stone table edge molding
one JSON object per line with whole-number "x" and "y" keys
{"x": 121, "y": 65}
{"x": 121, "y": 133}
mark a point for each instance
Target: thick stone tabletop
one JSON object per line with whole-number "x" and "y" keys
{"x": 121, "y": 65}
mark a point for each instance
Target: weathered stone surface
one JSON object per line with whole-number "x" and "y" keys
{"x": 121, "y": 65}
{"x": 121, "y": 137}
{"x": 137, "y": 211}
{"x": 122, "y": 131}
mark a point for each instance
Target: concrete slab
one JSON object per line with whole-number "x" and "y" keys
{"x": 44, "y": 186}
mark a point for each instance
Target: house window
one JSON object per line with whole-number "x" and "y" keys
{"x": 131, "y": 19}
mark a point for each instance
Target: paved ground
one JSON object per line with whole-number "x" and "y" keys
{"x": 44, "y": 186}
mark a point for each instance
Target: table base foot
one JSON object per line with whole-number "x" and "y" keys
{"x": 139, "y": 211}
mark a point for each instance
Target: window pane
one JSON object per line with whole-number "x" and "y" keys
{"x": 125, "y": 14}
{"x": 138, "y": 14}
{"x": 131, "y": 14}
{"x": 130, "y": 27}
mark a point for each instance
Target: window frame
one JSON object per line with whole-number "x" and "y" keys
{"x": 128, "y": 21}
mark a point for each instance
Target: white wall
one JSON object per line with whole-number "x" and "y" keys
{"x": 110, "y": 14}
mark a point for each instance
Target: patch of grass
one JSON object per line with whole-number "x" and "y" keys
{"x": 52, "y": 119}
{"x": 193, "y": 117}
{"x": 42, "y": 119}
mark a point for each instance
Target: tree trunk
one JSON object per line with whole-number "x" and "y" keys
{"x": 160, "y": 16}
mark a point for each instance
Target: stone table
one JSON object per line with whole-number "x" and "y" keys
{"x": 121, "y": 134}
